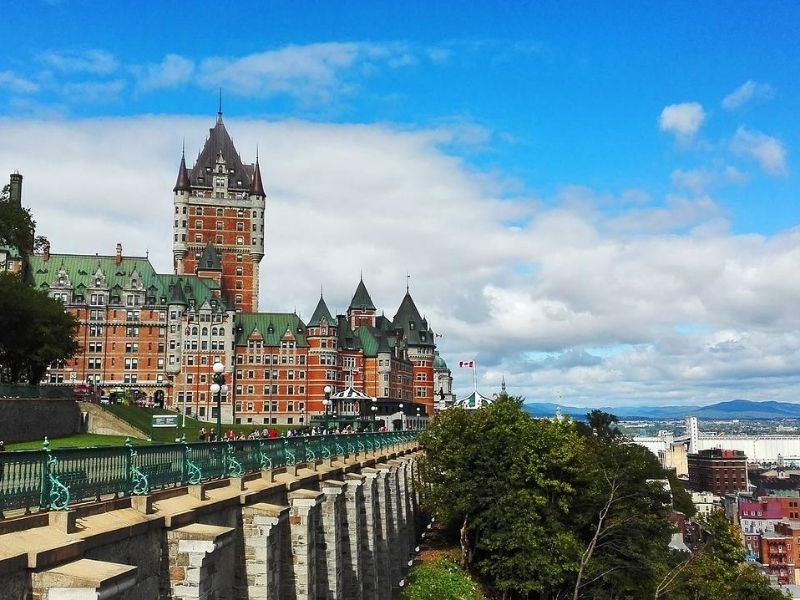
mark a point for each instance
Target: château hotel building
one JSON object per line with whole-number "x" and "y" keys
{"x": 159, "y": 334}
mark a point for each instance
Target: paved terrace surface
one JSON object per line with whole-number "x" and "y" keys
{"x": 41, "y": 540}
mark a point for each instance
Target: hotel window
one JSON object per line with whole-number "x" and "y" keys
{"x": 198, "y": 224}
{"x": 219, "y": 239}
{"x": 239, "y": 226}
{"x": 219, "y": 212}
{"x": 238, "y": 299}
{"x": 239, "y": 271}
{"x": 239, "y": 258}
{"x": 239, "y": 241}
{"x": 198, "y": 238}
{"x": 198, "y": 210}
{"x": 219, "y": 225}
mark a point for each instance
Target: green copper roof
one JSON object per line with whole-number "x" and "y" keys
{"x": 272, "y": 327}
{"x": 439, "y": 363}
{"x": 209, "y": 260}
{"x": 319, "y": 313}
{"x": 82, "y": 272}
{"x": 413, "y": 325}
{"x": 361, "y": 299}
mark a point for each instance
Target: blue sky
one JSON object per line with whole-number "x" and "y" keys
{"x": 651, "y": 123}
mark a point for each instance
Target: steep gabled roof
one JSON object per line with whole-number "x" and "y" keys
{"x": 209, "y": 260}
{"x": 361, "y": 299}
{"x": 177, "y": 295}
{"x": 415, "y": 328}
{"x": 219, "y": 141}
{"x": 319, "y": 313}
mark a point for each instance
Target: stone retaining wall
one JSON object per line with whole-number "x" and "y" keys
{"x": 23, "y": 419}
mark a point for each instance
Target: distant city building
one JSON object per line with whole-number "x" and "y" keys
{"x": 443, "y": 384}
{"x": 780, "y": 552}
{"x": 158, "y": 335}
{"x": 718, "y": 471}
{"x": 705, "y": 502}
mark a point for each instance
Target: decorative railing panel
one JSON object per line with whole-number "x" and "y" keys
{"x": 53, "y": 479}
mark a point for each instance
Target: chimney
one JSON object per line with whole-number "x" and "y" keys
{"x": 15, "y": 189}
{"x": 118, "y": 258}
{"x": 46, "y": 251}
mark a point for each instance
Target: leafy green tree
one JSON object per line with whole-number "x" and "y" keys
{"x": 681, "y": 499}
{"x": 34, "y": 331}
{"x": 603, "y": 424}
{"x": 506, "y": 480}
{"x": 16, "y": 224}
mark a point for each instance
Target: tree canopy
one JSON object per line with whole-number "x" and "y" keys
{"x": 34, "y": 331}
{"x": 552, "y": 510}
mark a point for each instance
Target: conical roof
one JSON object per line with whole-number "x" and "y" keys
{"x": 257, "y": 187}
{"x": 209, "y": 260}
{"x": 361, "y": 299}
{"x": 319, "y": 313}
{"x": 411, "y": 322}
{"x": 182, "y": 183}
{"x": 219, "y": 142}
{"x": 176, "y": 294}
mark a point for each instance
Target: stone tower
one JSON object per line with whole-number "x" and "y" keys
{"x": 221, "y": 201}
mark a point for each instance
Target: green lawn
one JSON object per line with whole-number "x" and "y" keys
{"x": 81, "y": 440}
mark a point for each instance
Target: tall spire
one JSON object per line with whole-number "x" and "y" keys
{"x": 503, "y": 385}
{"x": 182, "y": 183}
{"x": 257, "y": 186}
{"x": 219, "y": 110}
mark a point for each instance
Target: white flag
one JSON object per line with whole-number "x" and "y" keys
{"x": 466, "y": 363}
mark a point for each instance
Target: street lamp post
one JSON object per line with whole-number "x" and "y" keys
{"x": 402, "y": 418}
{"x": 418, "y": 423}
{"x": 374, "y": 409}
{"x": 218, "y": 388}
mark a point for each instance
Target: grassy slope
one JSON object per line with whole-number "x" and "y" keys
{"x": 140, "y": 418}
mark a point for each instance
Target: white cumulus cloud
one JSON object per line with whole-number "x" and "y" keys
{"x": 17, "y": 84}
{"x": 313, "y": 72}
{"x": 767, "y": 150}
{"x": 749, "y": 90}
{"x": 173, "y": 71}
{"x": 682, "y": 120}
{"x": 657, "y": 302}
{"x": 97, "y": 62}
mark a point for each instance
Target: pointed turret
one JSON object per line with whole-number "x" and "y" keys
{"x": 361, "y": 299}
{"x": 182, "y": 184}
{"x": 257, "y": 187}
{"x": 176, "y": 294}
{"x": 321, "y": 312}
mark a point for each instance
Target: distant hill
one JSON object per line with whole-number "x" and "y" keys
{"x": 732, "y": 409}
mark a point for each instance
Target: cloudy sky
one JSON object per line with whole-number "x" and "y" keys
{"x": 598, "y": 201}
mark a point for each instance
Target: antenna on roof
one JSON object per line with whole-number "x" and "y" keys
{"x": 219, "y": 110}
{"x": 320, "y": 285}
{"x": 408, "y": 281}
{"x": 256, "y": 153}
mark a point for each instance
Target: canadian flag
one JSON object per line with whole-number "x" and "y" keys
{"x": 466, "y": 363}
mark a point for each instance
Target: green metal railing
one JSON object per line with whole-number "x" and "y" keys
{"x": 53, "y": 479}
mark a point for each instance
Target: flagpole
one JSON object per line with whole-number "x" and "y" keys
{"x": 475, "y": 377}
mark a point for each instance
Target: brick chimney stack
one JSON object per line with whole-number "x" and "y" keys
{"x": 15, "y": 190}
{"x": 46, "y": 251}
{"x": 118, "y": 258}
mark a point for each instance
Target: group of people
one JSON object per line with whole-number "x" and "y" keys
{"x": 272, "y": 433}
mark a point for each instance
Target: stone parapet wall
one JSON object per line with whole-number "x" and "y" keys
{"x": 322, "y": 530}
{"x": 23, "y": 419}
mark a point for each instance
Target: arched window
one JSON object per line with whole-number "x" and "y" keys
{"x": 204, "y": 331}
